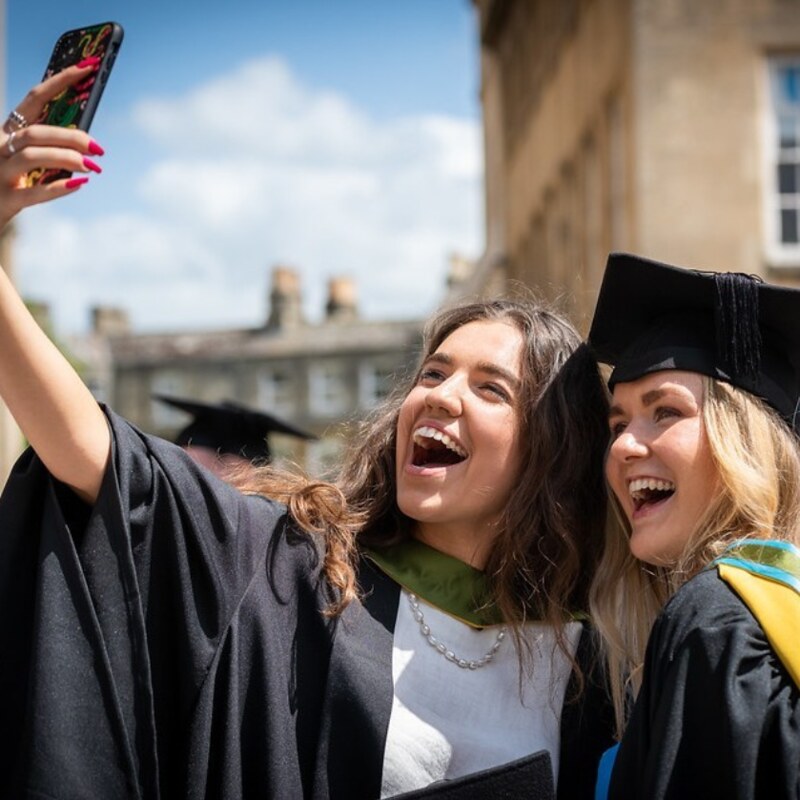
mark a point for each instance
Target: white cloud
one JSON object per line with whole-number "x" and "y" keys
{"x": 251, "y": 169}
{"x": 262, "y": 110}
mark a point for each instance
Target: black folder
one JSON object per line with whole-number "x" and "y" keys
{"x": 530, "y": 778}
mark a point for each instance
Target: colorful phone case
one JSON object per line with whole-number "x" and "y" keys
{"x": 76, "y": 105}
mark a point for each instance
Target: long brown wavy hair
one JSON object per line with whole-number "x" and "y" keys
{"x": 548, "y": 542}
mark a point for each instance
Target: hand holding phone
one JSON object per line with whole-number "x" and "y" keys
{"x": 75, "y": 106}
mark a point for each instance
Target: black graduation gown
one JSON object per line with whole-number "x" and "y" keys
{"x": 171, "y": 643}
{"x": 718, "y": 716}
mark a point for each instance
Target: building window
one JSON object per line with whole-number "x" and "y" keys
{"x": 275, "y": 394}
{"x": 783, "y": 163}
{"x": 327, "y": 386}
{"x": 374, "y": 384}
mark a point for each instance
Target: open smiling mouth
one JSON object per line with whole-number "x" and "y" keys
{"x": 432, "y": 448}
{"x": 649, "y": 491}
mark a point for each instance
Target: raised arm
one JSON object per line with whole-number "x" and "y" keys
{"x": 49, "y": 401}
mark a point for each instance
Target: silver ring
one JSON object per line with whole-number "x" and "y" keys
{"x": 16, "y": 121}
{"x": 10, "y": 143}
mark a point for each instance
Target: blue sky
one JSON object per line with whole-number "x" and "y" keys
{"x": 341, "y": 138}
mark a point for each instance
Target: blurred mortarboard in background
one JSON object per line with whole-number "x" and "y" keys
{"x": 736, "y": 328}
{"x": 228, "y": 427}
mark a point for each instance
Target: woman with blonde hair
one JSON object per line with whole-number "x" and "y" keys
{"x": 698, "y": 591}
{"x": 415, "y": 626}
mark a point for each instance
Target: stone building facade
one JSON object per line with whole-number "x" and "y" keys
{"x": 318, "y": 376}
{"x": 667, "y": 127}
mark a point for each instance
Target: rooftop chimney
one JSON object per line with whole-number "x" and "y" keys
{"x": 110, "y": 321}
{"x": 285, "y": 301}
{"x": 341, "y": 305}
{"x": 460, "y": 270}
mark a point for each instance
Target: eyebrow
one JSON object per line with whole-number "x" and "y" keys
{"x": 483, "y": 366}
{"x": 648, "y": 398}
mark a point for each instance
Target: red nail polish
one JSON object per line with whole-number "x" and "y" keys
{"x": 95, "y": 148}
{"x": 85, "y": 83}
{"x": 89, "y": 61}
{"x": 89, "y": 164}
{"x": 74, "y": 183}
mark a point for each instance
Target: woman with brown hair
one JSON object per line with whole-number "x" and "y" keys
{"x": 417, "y": 623}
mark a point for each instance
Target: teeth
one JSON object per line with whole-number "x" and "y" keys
{"x": 651, "y": 484}
{"x": 426, "y": 432}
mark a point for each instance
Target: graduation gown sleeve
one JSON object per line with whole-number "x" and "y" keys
{"x": 158, "y": 646}
{"x": 718, "y": 715}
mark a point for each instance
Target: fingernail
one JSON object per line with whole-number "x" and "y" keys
{"x": 89, "y": 61}
{"x": 74, "y": 183}
{"x": 89, "y": 164}
{"x": 95, "y": 148}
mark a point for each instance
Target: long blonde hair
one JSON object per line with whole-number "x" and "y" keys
{"x": 757, "y": 459}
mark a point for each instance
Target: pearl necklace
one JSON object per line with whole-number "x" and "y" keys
{"x": 442, "y": 648}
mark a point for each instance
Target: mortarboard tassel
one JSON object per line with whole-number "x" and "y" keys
{"x": 736, "y": 315}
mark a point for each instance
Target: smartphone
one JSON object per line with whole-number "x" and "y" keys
{"x": 76, "y": 105}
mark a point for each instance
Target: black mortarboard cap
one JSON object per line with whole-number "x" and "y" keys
{"x": 228, "y": 427}
{"x": 736, "y": 328}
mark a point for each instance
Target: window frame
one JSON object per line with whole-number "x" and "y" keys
{"x": 780, "y": 254}
{"x": 322, "y": 402}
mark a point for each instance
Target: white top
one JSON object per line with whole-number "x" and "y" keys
{"x": 447, "y": 721}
